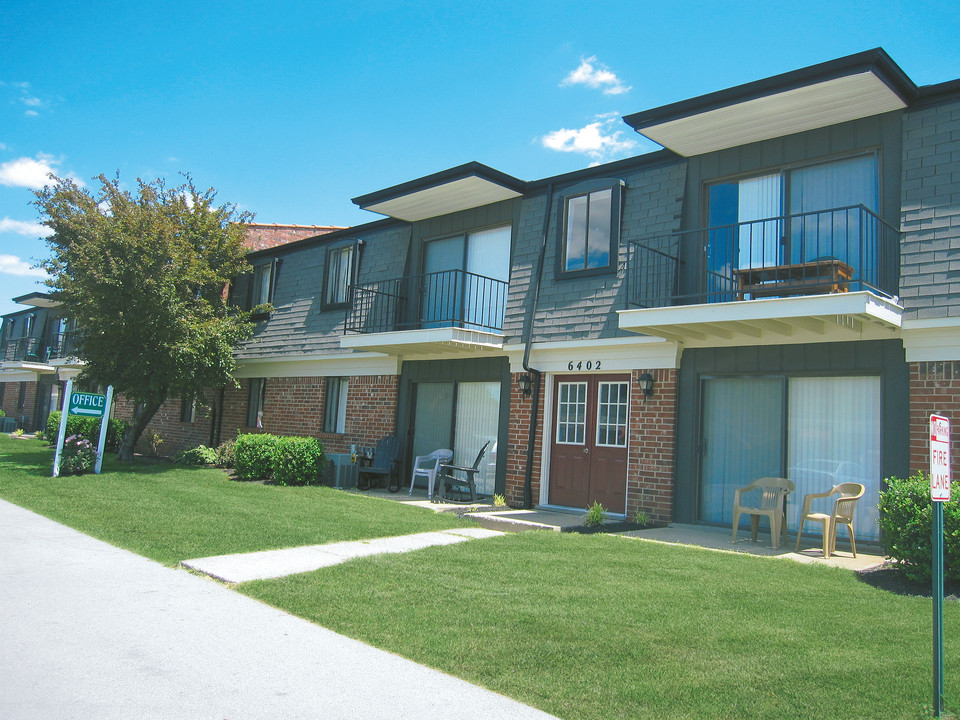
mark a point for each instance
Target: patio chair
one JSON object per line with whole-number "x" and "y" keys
{"x": 774, "y": 492}
{"x": 427, "y": 466}
{"x": 460, "y": 489}
{"x": 842, "y": 514}
{"x": 383, "y": 466}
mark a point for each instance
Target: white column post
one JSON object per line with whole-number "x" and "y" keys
{"x": 104, "y": 422}
{"x": 67, "y": 391}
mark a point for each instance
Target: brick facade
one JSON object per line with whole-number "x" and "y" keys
{"x": 653, "y": 433}
{"x": 934, "y": 389}
{"x": 11, "y": 403}
{"x": 292, "y": 406}
{"x": 521, "y": 409}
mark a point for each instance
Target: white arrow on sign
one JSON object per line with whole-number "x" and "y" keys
{"x": 82, "y": 411}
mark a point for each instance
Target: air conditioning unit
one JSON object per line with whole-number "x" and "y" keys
{"x": 345, "y": 473}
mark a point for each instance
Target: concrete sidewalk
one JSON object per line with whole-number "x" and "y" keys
{"x": 267, "y": 564}
{"x": 92, "y": 631}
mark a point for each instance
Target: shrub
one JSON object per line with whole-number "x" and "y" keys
{"x": 88, "y": 428}
{"x": 225, "y": 454}
{"x": 78, "y": 456}
{"x": 595, "y": 515}
{"x": 253, "y": 455}
{"x": 199, "y": 455}
{"x": 906, "y": 521}
{"x": 297, "y": 461}
{"x": 2, "y": 413}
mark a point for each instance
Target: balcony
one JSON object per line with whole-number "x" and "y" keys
{"x": 449, "y": 312}
{"x": 39, "y": 350}
{"x": 790, "y": 278}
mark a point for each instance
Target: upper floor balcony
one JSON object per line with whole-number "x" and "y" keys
{"x": 766, "y": 280}
{"x": 448, "y": 312}
{"x": 39, "y": 350}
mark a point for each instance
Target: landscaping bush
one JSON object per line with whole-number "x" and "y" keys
{"x": 88, "y": 428}
{"x": 199, "y": 455}
{"x": 906, "y": 518}
{"x": 225, "y": 454}
{"x": 254, "y": 454}
{"x": 79, "y": 456}
{"x": 297, "y": 461}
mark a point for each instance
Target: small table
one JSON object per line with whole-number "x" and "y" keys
{"x": 810, "y": 278}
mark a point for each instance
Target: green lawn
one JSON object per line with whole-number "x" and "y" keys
{"x": 610, "y": 627}
{"x": 173, "y": 512}
{"x": 582, "y": 626}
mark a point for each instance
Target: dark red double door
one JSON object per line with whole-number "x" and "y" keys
{"x": 588, "y": 455}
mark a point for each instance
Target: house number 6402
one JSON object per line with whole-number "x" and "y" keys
{"x": 581, "y": 365}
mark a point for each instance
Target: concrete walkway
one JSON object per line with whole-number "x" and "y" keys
{"x": 91, "y": 631}
{"x": 267, "y": 564}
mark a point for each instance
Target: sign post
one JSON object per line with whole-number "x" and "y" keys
{"x": 939, "y": 494}
{"x": 87, "y": 405}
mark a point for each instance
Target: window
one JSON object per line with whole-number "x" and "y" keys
{"x": 591, "y": 228}
{"x": 339, "y": 276}
{"x": 335, "y": 405}
{"x": 188, "y": 410}
{"x": 255, "y": 403}
{"x": 22, "y": 397}
{"x": 3, "y": 387}
{"x": 262, "y": 284}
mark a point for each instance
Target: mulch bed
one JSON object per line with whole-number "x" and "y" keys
{"x": 891, "y": 578}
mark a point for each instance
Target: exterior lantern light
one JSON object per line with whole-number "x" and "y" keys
{"x": 525, "y": 384}
{"x": 646, "y": 384}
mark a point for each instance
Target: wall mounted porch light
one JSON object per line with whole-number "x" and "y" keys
{"x": 525, "y": 384}
{"x": 646, "y": 384}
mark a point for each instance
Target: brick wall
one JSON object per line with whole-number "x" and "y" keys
{"x": 934, "y": 389}
{"x": 653, "y": 433}
{"x": 292, "y": 406}
{"x": 11, "y": 406}
{"x": 521, "y": 409}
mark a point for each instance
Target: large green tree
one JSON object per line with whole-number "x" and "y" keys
{"x": 142, "y": 273}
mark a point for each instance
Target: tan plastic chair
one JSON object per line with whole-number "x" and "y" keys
{"x": 842, "y": 514}
{"x": 771, "y": 504}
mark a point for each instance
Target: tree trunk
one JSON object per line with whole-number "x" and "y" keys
{"x": 142, "y": 415}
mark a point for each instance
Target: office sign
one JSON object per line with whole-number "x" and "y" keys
{"x": 87, "y": 404}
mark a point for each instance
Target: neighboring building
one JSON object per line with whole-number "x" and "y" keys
{"x": 780, "y": 273}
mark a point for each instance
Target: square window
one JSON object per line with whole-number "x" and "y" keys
{"x": 188, "y": 410}
{"x": 335, "y": 405}
{"x": 339, "y": 276}
{"x": 591, "y": 229}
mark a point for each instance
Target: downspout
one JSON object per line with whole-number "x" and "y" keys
{"x": 535, "y": 410}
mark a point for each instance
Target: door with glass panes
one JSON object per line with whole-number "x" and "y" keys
{"x": 588, "y": 457}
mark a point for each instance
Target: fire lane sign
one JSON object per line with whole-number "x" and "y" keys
{"x": 939, "y": 458}
{"x": 87, "y": 404}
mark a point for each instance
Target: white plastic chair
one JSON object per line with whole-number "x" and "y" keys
{"x": 427, "y": 466}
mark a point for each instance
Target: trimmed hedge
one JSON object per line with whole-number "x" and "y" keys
{"x": 253, "y": 455}
{"x": 284, "y": 460}
{"x": 297, "y": 461}
{"x": 906, "y": 521}
{"x": 87, "y": 427}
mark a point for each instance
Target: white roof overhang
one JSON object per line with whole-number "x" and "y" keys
{"x": 460, "y": 188}
{"x": 433, "y": 343}
{"x": 771, "y": 321}
{"x": 838, "y": 91}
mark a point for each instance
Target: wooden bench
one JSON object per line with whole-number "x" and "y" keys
{"x": 810, "y": 278}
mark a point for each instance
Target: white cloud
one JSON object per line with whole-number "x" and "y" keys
{"x": 600, "y": 140}
{"x": 21, "y": 227}
{"x": 27, "y": 172}
{"x": 12, "y": 265}
{"x": 595, "y": 75}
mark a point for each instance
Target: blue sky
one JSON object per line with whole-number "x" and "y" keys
{"x": 290, "y": 109}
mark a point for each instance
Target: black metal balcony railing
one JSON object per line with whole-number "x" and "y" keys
{"x": 451, "y": 298}
{"x": 838, "y": 250}
{"x": 33, "y": 349}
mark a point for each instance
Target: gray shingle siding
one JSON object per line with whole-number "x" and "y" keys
{"x": 930, "y": 212}
{"x": 300, "y": 325}
{"x": 584, "y": 308}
